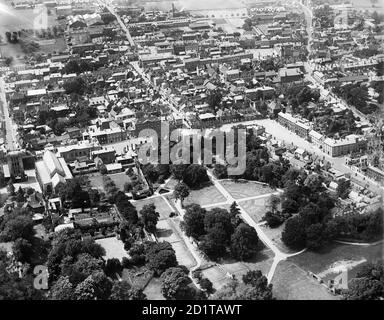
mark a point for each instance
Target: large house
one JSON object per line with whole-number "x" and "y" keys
{"x": 51, "y": 170}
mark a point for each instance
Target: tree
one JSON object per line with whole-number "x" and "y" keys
{"x": 72, "y": 192}
{"x": 178, "y": 170}
{"x": 244, "y": 242}
{"x": 160, "y": 256}
{"x": 112, "y": 267}
{"x": 206, "y": 285}
{"x": 193, "y": 223}
{"x": 81, "y": 267}
{"x": 256, "y": 279}
{"x": 181, "y": 191}
{"x": 76, "y": 85}
{"x": 122, "y": 290}
{"x": 103, "y": 169}
{"x": 72, "y": 67}
{"x": 214, "y": 99}
{"x": 315, "y": 236}
{"x": 235, "y": 214}
{"x": 17, "y": 226}
{"x": 219, "y": 219}
{"x": 364, "y": 289}
{"x": 195, "y": 175}
{"x": 62, "y": 289}
{"x": 220, "y": 171}
{"x": 11, "y": 188}
{"x": 102, "y": 285}
{"x": 293, "y": 234}
{"x": 22, "y": 250}
{"x": 150, "y": 217}
{"x": 8, "y": 61}
{"x": 85, "y": 290}
{"x": 254, "y": 287}
{"x": 213, "y": 244}
{"x": 12, "y": 287}
{"x": 343, "y": 188}
{"x": 175, "y": 284}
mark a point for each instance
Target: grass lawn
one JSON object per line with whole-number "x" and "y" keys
{"x": 161, "y": 206}
{"x": 114, "y": 248}
{"x": 171, "y": 184}
{"x": 256, "y": 208}
{"x": 153, "y": 290}
{"x": 205, "y": 196}
{"x": 138, "y": 277}
{"x": 243, "y": 189}
{"x": 169, "y": 230}
{"x": 337, "y": 257}
{"x": 165, "y": 232}
{"x": 292, "y": 283}
{"x": 217, "y": 276}
{"x": 275, "y": 235}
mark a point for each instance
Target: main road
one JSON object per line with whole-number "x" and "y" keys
{"x": 10, "y": 128}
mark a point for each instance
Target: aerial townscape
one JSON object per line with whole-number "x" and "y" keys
{"x": 191, "y": 150}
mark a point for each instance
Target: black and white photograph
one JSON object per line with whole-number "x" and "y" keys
{"x": 191, "y": 157}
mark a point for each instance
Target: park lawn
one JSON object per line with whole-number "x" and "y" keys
{"x": 161, "y": 206}
{"x": 216, "y": 275}
{"x": 138, "y": 277}
{"x": 292, "y": 283}
{"x": 114, "y": 248}
{"x": 331, "y": 262}
{"x": 183, "y": 255}
{"x": 256, "y": 208}
{"x": 242, "y": 189}
{"x": 164, "y": 232}
{"x": 171, "y": 184}
{"x": 205, "y": 196}
{"x": 153, "y": 290}
{"x": 275, "y": 235}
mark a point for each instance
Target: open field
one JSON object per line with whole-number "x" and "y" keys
{"x": 292, "y": 283}
{"x": 256, "y": 208}
{"x": 161, "y": 206}
{"x": 338, "y": 258}
{"x": 205, "y": 196}
{"x": 243, "y": 189}
{"x": 114, "y": 248}
{"x": 153, "y": 290}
